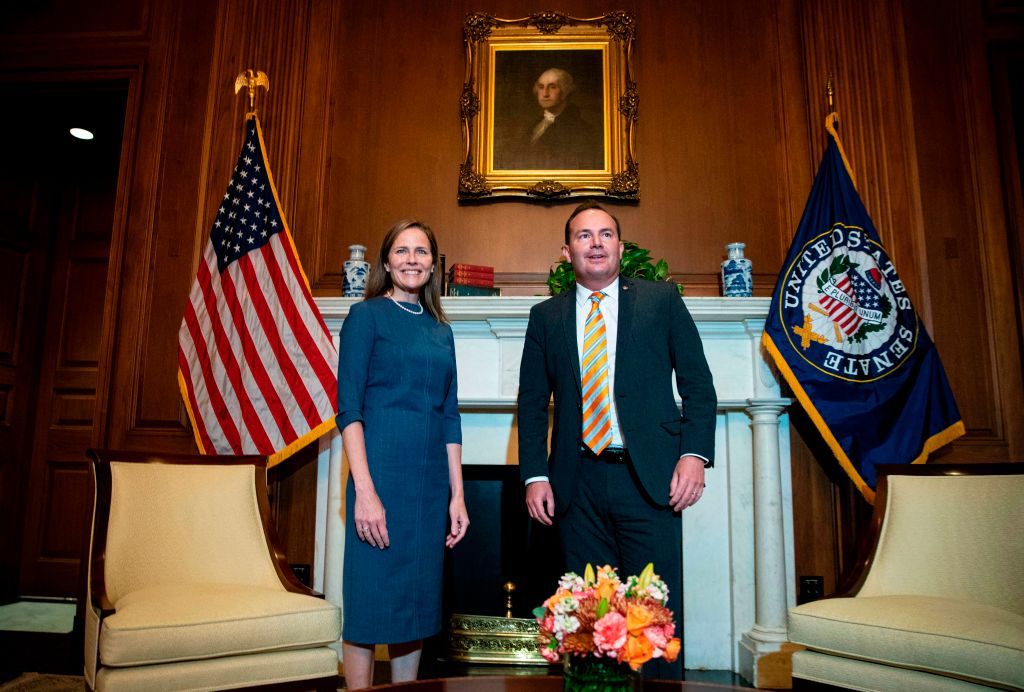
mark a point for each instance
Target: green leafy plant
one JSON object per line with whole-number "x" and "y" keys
{"x": 636, "y": 264}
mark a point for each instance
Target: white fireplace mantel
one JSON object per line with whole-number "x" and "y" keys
{"x": 738, "y": 569}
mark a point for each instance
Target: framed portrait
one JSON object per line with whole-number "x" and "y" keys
{"x": 549, "y": 107}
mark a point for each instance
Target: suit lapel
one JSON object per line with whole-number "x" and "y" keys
{"x": 569, "y": 326}
{"x": 627, "y": 303}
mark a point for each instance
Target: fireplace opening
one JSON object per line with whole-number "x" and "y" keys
{"x": 502, "y": 545}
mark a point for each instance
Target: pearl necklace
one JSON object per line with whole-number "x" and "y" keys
{"x": 408, "y": 310}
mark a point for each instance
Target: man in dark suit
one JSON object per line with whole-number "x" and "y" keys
{"x": 623, "y": 460}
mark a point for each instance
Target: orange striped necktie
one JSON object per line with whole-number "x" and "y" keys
{"x": 597, "y": 406}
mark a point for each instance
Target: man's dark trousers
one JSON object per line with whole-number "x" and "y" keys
{"x": 611, "y": 521}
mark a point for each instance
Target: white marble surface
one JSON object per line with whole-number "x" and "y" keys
{"x": 725, "y": 556}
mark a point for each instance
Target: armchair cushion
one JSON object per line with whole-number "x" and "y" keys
{"x": 943, "y": 635}
{"x": 209, "y": 674}
{"x": 166, "y": 623}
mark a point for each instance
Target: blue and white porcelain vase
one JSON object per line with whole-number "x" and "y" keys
{"x": 353, "y": 283}
{"x": 737, "y": 275}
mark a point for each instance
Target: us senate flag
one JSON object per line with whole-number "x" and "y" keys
{"x": 844, "y": 333}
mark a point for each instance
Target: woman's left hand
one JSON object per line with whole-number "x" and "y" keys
{"x": 460, "y": 522}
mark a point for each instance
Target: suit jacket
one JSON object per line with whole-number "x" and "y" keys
{"x": 656, "y": 336}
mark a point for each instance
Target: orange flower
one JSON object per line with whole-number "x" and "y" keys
{"x": 558, "y": 596}
{"x": 638, "y": 617}
{"x": 578, "y": 643}
{"x": 605, "y": 589}
{"x": 638, "y": 651}
{"x": 672, "y": 649}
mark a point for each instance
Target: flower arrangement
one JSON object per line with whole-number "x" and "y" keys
{"x": 598, "y": 616}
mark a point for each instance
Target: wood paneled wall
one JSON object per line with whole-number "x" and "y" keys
{"x": 967, "y": 254}
{"x": 362, "y": 128}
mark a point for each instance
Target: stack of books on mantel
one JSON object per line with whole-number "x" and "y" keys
{"x": 471, "y": 280}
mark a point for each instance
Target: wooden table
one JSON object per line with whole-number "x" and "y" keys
{"x": 536, "y": 683}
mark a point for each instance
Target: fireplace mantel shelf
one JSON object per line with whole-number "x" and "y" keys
{"x": 483, "y": 308}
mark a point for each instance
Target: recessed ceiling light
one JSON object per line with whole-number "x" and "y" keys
{"x": 80, "y": 133}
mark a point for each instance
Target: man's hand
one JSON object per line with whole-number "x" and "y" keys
{"x": 687, "y": 484}
{"x": 540, "y": 501}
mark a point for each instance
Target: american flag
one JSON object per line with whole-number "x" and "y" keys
{"x": 256, "y": 364}
{"x": 867, "y": 291}
{"x": 839, "y": 301}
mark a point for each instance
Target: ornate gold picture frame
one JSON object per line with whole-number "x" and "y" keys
{"x": 549, "y": 107}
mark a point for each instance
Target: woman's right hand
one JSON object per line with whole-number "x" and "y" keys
{"x": 371, "y": 525}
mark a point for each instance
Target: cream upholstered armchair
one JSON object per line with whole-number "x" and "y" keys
{"x": 187, "y": 590}
{"x": 937, "y": 601}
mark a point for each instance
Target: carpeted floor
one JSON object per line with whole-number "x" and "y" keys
{"x": 36, "y": 636}
{"x": 37, "y": 616}
{"x": 36, "y": 682}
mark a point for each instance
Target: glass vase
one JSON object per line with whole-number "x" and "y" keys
{"x": 590, "y": 674}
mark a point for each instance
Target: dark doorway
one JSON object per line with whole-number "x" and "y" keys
{"x": 57, "y": 208}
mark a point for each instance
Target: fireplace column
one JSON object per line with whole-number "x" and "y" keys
{"x": 764, "y": 660}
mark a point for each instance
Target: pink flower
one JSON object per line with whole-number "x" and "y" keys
{"x": 610, "y": 633}
{"x": 656, "y": 635}
{"x": 550, "y": 655}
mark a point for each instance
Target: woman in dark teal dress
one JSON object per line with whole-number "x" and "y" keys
{"x": 399, "y": 420}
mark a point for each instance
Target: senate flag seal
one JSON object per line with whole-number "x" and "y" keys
{"x": 847, "y": 314}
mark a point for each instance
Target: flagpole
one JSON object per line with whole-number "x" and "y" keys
{"x": 832, "y": 126}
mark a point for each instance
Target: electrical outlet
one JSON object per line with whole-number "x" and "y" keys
{"x": 302, "y": 573}
{"x": 811, "y": 589}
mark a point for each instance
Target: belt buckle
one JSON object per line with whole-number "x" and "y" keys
{"x": 616, "y": 456}
{"x": 608, "y": 456}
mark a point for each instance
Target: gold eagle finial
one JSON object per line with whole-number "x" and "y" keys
{"x": 250, "y": 79}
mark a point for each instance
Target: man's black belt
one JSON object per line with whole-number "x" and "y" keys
{"x": 608, "y": 456}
